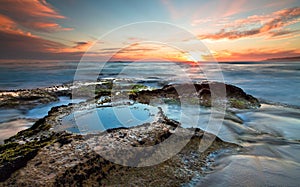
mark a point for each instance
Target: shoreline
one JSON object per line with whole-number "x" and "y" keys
{"x": 46, "y": 135}
{"x": 47, "y": 154}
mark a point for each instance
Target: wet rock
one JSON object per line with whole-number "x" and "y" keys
{"x": 201, "y": 93}
{"x": 46, "y": 155}
{"x": 28, "y": 98}
{"x": 25, "y": 98}
{"x": 59, "y": 158}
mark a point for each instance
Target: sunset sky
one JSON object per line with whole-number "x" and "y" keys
{"x": 232, "y": 30}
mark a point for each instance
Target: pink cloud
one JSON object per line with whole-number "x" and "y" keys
{"x": 258, "y": 25}
{"x": 234, "y": 7}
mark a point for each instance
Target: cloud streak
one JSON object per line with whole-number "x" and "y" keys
{"x": 7, "y": 25}
{"x": 258, "y": 25}
{"x": 32, "y": 14}
{"x": 19, "y": 44}
{"x": 255, "y": 54}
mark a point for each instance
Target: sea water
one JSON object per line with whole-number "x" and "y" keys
{"x": 277, "y": 82}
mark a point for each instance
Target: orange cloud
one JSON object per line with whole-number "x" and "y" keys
{"x": 19, "y": 44}
{"x": 48, "y": 26}
{"x": 35, "y": 8}
{"x": 16, "y": 43}
{"x": 79, "y": 47}
{"x": 9, "y": 26}
{"x": 146, "y": 51}
{"x": 254, "y": 54}
{"x": 22, "y": 46}
{"x": 32, "y": 14}
{"x": 259, "y": 25}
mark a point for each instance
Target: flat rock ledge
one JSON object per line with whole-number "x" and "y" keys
{"x": 46, "y": 155}
{"x": 43, "y": 156}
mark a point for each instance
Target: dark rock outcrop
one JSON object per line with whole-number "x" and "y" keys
{"x": 29, "y": 98}
{"x": 26, "y": 98}
{"x": 234, "y": 97}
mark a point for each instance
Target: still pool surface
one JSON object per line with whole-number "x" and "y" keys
{"x": 15, "y": 120}
{"x": 103, "y": 118}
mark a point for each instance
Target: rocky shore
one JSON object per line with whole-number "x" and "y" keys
{"x": 48, "y": 155}
{"x": 233, "y": 96}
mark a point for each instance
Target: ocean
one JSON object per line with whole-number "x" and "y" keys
{"x": 273, "y": 154}
{"x": 276, "y": 82}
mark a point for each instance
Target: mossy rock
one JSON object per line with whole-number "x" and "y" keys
{"x": 136, "y": 88}
{"x": 14, "y": 156}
